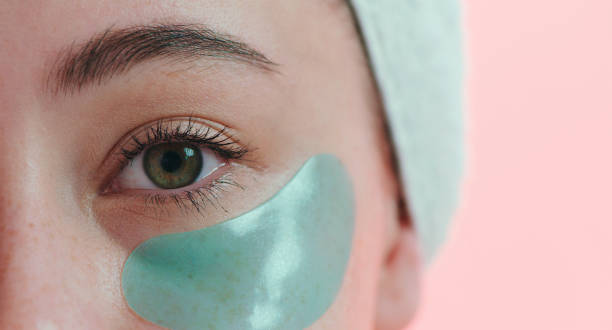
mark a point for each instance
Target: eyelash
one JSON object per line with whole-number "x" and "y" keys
{"x": 219, "y": 141}
{"x": 160, "y": 132}
{"x": 196, "y": 199}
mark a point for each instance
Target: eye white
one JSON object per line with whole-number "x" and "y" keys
{"x": 134, "y": 176}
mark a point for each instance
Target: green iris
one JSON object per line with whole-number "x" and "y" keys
{"x": 172, "y": 165}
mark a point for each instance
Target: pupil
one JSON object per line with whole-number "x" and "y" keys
{"x": 171, "y": 161}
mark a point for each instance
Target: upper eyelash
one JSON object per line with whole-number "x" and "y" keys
{"x": 217, "y": 140}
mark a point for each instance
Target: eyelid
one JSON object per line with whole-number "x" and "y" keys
{"x": 200, "y": 132}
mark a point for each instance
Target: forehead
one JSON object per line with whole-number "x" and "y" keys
{"x": 33, "y": 32}
{"x": 49, "y": 22}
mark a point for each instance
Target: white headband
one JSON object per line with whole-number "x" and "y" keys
{"x": 415, "y": 52}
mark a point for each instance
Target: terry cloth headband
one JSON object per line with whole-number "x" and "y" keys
{"x": 414, "y": 47}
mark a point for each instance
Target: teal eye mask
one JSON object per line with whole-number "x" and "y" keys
{"x": 278, "y": 266}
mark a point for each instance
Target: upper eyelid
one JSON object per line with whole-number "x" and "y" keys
{"x": 160, "y": 132}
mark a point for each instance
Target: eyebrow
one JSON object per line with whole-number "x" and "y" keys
{"x": 115, "y": 51}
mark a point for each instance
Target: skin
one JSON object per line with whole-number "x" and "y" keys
{"x": 63, "y": 243}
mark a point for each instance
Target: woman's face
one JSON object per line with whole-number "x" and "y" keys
{"x": 278, "y": 81}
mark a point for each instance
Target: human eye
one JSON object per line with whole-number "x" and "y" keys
{"x": 177, "y": 162}
{"x": 167, "y": 166}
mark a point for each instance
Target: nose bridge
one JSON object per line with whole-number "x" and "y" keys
{"x": 50, "y": 276}
{"x": 20, "y": 110}
{"x": 31, "y": 248}
{"x": 17, "y": 165}
{"x": 21, "y": 127}
{"x": 23, "y": 208}
{"x": 50, "y": 251}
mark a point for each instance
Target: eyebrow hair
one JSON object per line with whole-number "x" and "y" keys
{"x": 116, "y": 51}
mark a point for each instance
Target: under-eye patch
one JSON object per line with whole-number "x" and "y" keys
{"x": 278, "y": 266}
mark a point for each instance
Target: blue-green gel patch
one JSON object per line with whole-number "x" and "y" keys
{"x": 278, "y": 266}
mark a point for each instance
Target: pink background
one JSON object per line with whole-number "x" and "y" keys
{"x": 531, "y": 244}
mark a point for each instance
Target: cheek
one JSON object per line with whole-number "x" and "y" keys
{"x": 356, "y": 303}
{"x": 279, "y": 266}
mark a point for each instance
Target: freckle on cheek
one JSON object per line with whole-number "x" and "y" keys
{"x": 278, "y": 266}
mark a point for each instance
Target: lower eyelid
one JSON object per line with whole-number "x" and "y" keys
{"x": 194, "y": 199}
{"x": 170, "y": 206}
{"x": 135, "y": 216}
{"x": 208, "y": 194}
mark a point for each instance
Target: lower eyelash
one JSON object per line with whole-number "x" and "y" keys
{"x": 197, "y": 199}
